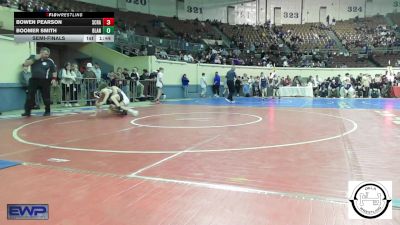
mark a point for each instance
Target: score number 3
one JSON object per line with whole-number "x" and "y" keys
{"x": 108, "y": 21}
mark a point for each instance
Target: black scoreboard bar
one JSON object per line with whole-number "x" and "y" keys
{"x": 64, "y": 26}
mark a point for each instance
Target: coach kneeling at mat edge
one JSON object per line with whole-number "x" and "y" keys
{"x": 43, "y": 75}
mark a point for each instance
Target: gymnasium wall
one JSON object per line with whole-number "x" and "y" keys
{"x": 7, "y": 18}
{"x": 11, "y": 59}
{"x": 12, "y": 56}
{"x": 113, "y": 58}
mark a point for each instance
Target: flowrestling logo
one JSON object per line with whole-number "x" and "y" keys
{"x": 370, "y": 200}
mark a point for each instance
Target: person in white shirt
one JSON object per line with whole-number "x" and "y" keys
{"x": 203, "y": 85}
{"x": 159, "y": 84}
{"x": 190, "y": 58}
{"x": 285, "y": 63}
{"x": 186, "y": 58}
{"x": 97, "y": 71}
{"x": 68, "y": 79}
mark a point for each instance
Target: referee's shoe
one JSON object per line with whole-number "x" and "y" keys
{"x": 29, "y": 114}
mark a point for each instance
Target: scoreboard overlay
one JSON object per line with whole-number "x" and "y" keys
{"x": 64, "y": 26}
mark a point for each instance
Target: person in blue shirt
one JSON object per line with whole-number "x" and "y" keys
{"x": 185, "y": 85}
{"x": 216, "y": 84}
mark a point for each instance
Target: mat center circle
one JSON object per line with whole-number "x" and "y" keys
{"x": 196, "y": 120}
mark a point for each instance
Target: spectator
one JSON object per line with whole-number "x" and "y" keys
{"x": 145, "y": 75}
{"x": 347, "y": 89}
{"x": 97, "y": 71}
{"x": 256, "y": 86}
{"x": 264, "y": 85}
{"x": 203, "y": 85}
{"x": 288, "y": 81}
{"x": 159, "y": 84}
{"x": 78, "y": 81}
{"x": 67, "y": 85}
{"x": 125, "y": 77}
{"x": 136, "y": 84}
{"x": 296, "y": 81}
{"x": 246, "y": 86}
{"x": 324, "y": 88}
{"x": 374, "y": 91}
{"x": 90, "y": 83}
{"x": 238, "y": 85}
{"x": 333, "y": 90}
{"x": 275, "y": 86}
{"x": 216, "y": 85}
{"x": 366, "y": 81}
{"x": 25, "y": 76}
{"x": 185, "y": 86}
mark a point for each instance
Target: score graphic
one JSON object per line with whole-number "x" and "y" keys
{"x": 108, "y": 25}
{"x": 64, "y": 27}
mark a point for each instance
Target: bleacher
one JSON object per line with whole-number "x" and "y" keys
{"x": 357, "y": 35}
{"x": 191, "y": 30}
{"x": 307, "y": 36}
{"x": 248, "y": 34}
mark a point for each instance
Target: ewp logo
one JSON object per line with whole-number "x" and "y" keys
{"x": 28, "y": 211}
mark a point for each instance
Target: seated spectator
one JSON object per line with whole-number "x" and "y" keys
{"x": 366, "y": 81}
{"x": 333, "y": 90}
{"x": 358, "y": 87}
{"x": 288, "y": 81}
{"x": 374, "y": 91}
{"x": 296, "y": 82}
{"x": 347, "y": 89}
{"x": 324, "y": 88}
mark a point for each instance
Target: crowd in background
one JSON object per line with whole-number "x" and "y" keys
{"x": 75, "y": 83}
{"x": 263, "y": 85}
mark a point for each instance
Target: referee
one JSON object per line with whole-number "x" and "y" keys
{"x": 43, "y": 75}
{"x": 230, "y": 81}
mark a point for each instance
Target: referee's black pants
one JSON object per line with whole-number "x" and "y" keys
{"x": 231, "y": 88}
{"x": 38, "y": 84}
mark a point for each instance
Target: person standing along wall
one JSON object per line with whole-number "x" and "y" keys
{"x": 25, "y": 76}
{"x": 230, "y": 80}
{"x": 185, "y": 86}
{"x": 90, "y": 84}
{"x": 264, "y": 85}
{"x": 203, "y": 85}
{"x": 78, "y": 82}
{"x": 67, "y": 84}
{"x": 216, "y": 85}
{"x": 159, "y": 84}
